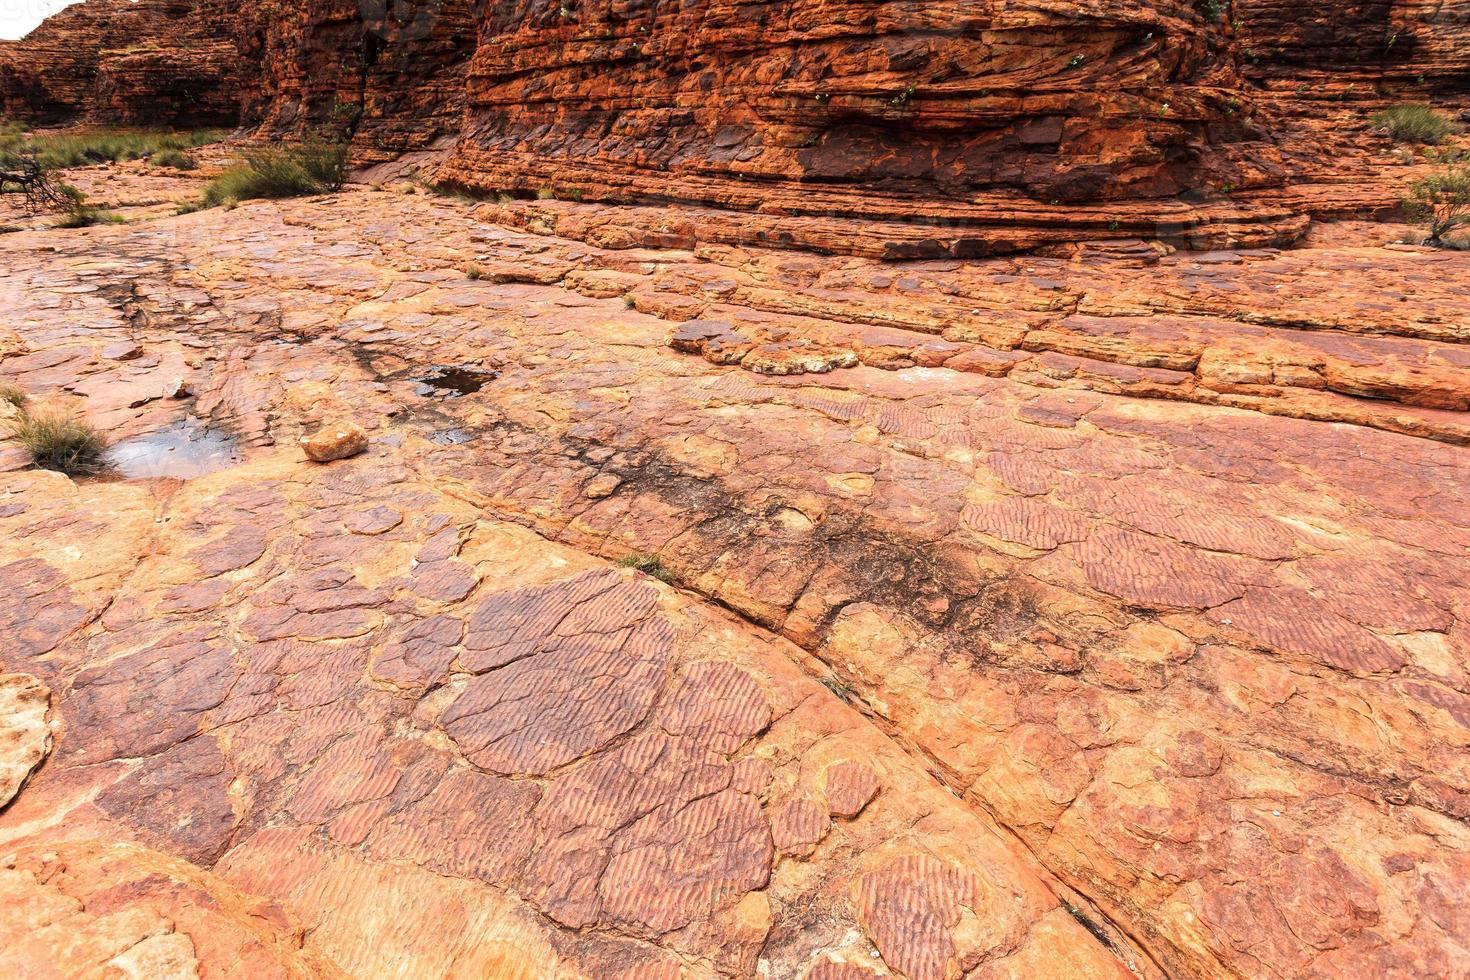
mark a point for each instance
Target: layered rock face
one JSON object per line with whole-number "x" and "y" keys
{"x": 389, "y": 71}
{"x": 886, "y": 111}
{"x": 151, "y": 62}
{"x": 1324, "y": 49}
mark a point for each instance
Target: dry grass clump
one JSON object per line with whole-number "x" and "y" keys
{"x": 313, "y": 166}
{"x": 64, "y": 443}
{"x": 1414, "y": 124}
{"x": 1442, "y": 202}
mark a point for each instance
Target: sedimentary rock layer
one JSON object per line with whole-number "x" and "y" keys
{"x": 809, "y": 108}
{"x": 148, "y": 62}
{"x": 1326, "y": 49}
{"x": 391, "y": 72}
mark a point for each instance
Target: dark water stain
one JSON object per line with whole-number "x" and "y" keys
{"x": 452, "y": 381}
{"x": 181, "y": 451}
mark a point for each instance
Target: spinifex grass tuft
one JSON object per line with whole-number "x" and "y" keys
{"x": 59, "y": 442}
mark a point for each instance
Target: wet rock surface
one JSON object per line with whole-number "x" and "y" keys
{"x": 1026, "y": 617}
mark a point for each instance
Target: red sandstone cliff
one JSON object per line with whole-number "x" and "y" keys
{"x": 860, "y": 108}
{"x": 154, "y": 62}
{"x": 1363, "y": 48}
{"x": 1066, "y": 101}
{"x": 390, "y": 70}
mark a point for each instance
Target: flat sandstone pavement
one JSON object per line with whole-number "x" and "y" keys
{"x": 1036, "y": 617}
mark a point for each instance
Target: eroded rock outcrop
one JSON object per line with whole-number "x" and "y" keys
{"x": 389, "y": 71}
{"x": 138, "y": 62}
{"x": 1320, "y": 50}
{"x": 938, "y": 117}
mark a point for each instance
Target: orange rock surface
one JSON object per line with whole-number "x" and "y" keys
{"x": 929, "y": 491}
{"x": 1029, "y": 658}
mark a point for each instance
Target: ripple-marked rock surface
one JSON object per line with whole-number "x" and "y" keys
{"x": 1018, "y": 624}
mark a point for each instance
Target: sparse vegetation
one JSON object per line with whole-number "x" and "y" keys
{"x": 59, "y": 442}
{"x": 58, "y": 151}
{"x": 647, "y": 564}
{"x": 21, "y": 172}
{"x": 177, "y": 159}
{"x": 84, "y": 215}
{"x": 30, "y": 165}
{"x": 1442, "y": 202}
{"x": 314, "y": 166}
{"x": 12, "y": 394}
{"x": 1414, "y": 124}
{"x": 472, "y": 271}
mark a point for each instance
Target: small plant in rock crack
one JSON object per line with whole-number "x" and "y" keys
{"x": 472, "y": 271}
{"x": 59, "y": 442}
{"x": 647, "y": 564}
{"x": 838, "y": 687}
{"x": 12, "y": 394}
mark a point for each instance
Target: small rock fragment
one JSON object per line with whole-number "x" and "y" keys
{"x": 850, "y": 787}
{"x": 123, "y": 351}
{"x": 335, "y": 440}
{"x": 25, "y": 736}
{"x": 179, "y": 388}
{"x": 602, "y": 485}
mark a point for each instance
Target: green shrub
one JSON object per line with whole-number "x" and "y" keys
{"x": 84, "y": 215}
{"x": 12, "y": 394}
{"x": 1414, "y": 124}
{"x": 314, "y": 166}
{"x": 647, "y": 564}
{"x": 1441, "y": 201}
{"x": 177, "y": 159}
{"x": 63, "y": 150}
{"x": 60, "y": 442}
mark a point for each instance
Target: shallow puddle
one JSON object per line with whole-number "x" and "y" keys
{"x": 182, "y": 451}
{"x": 453, "y": 381}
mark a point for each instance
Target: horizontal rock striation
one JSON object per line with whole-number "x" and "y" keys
{"x": 813, "y": 108}
{"x": 391, "y": 73}
{"x": 1318, "y": 49}
{"x": 150, "y": 62}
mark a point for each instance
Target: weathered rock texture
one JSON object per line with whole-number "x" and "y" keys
{"x": 1328, "y": 49}
{"x": 939, "y": 124}
{"x": 389, "y": 71}
{"x": 141, "y": 62}
{"x": 1038, "y": 602}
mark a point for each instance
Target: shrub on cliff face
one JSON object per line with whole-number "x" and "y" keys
{"x": 1442, "y": 201}
{"x": 60, "y": 442}
{"x": 313, "y": 166}
{"x": 1414, "y": 124}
